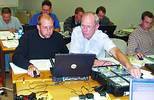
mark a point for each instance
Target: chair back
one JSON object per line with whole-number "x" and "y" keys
{"x": 121, "y": 44}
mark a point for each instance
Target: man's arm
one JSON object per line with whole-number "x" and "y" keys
{"x": 125, "y": 62}
{"x": 20, "y": 56}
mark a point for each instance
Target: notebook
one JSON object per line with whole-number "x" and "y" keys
{"x": 72, "y": 66}
{"x": 141, "y": 89}
{"x": 109, "y": 30}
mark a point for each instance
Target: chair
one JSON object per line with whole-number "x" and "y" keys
{"x": 121, "y": 44}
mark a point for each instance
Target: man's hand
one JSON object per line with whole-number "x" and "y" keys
{"x": 139, "y": 55}
{"x": 102, "y": 63}
{"x": 31, "y": 69}
{"x": 135, "y": 72}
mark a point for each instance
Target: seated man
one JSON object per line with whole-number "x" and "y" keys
{"x": 46, "y": 9}
{"x": 88, "y": 39}
{"x": 74, "y": 20}
{"x": 104, "y": 20}
{"x": 8, "y": 22}
{"x": 42, "y": 43}
{"x": 141, "y": 40}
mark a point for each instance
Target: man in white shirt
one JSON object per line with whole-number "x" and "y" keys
{"x": 88, "y": 39}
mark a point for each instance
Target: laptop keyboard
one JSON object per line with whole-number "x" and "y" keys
{"x": 60, "y": 79}
{"x": 74, "y": 78}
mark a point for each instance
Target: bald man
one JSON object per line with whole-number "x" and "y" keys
{"x": 42, "y": 43}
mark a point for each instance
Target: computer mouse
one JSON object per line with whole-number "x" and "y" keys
{"x": 35, "y": 74}
{"x": 140, "y": 58}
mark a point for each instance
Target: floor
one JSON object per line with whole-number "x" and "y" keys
{"x": 9, "y": 94}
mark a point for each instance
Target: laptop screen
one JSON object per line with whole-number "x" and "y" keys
{"x": 73, "y": 65}
{"x": 109, "y": 30}
{"x": 141, "y": 89}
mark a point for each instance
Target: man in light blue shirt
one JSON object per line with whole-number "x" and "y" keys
{"x": 88, "y": 39}
{"x": 8, "y": 22}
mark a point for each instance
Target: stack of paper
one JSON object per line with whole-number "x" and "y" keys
{"x": 41, "y": 64}
{"x": 10, "y": 43}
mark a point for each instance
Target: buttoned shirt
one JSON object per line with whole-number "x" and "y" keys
{"x": 141, "y": 40}
{"x": 96, "y": 45}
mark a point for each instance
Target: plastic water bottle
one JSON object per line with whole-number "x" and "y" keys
{"x": 20, "y": 32}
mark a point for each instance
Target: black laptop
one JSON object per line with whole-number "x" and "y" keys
{"x": 109, "y": 30}
{"x": 72, "y": 67}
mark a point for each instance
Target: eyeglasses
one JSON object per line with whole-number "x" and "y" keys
{"x": 47, "y": 28}
{"x": 88, "y": 27}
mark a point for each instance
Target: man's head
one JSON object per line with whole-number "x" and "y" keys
{"x": 101, "y": 11}
{"x": 146, "y": 20}
{"x": 6, "y": 14}
{"x": 79, "y": 11}
{"x": 45, "y": 25}
{"x": 89, "y": 24}
{"x": 46, "y": 7}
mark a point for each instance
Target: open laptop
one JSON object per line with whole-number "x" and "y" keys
{"x": 141, "y": 89}
{"x": 72, "y": 66}
{"x": 109, "y": 30}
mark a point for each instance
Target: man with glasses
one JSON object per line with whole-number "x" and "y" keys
{"x": 141, "y": 40}
{"x": 88, "y": 39}
{"x": 46, "y": 9}
{"x": 42, "y": 43}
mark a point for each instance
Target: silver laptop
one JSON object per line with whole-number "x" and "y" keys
{"x": 141, "y": 89}
{"x": 72, "y": 66}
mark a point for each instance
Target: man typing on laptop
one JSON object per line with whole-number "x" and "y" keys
{"x": 88, "y": 39}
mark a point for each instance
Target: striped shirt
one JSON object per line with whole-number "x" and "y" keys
{"x": 141, "y": 40}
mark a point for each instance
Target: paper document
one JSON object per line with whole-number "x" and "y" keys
{"x": 8, "y": 35}
{"x": 10, "y": 43}
{"x": 147, "y": 74}
{"x": 41, "y": 64}
{"x": 17, "y": 70}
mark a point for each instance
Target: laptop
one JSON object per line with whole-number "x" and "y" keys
{"x": 72, "y": 66}
{"x": 109, "y": 30}
{"x": 141, "y": 89}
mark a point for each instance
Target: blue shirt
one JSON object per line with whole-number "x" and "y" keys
{"x": 13, "y": 23}
{"x": 34, "y": 19}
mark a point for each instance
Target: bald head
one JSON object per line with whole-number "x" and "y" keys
{"x": 91, "y": 16}
{"x": 46, "y": 17}
{"x": 45, "y": 26}
{"x": 89, "y": 24}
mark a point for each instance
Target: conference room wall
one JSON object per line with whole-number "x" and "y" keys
{"x": 122, "y": 12}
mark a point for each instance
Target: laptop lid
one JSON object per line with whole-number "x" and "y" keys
{"x": 73, "y": 65}
{"x": 141, "y": 89}
{"x": 109, "y": 30}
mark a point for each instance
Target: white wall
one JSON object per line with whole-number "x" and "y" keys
{"x": 121, "y": 12}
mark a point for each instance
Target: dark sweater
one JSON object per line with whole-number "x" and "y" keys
{"x": 70, "y": 23}
{"x": 32, "y": 46}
